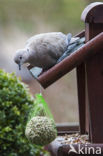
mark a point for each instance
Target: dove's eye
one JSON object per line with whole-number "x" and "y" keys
{"x": 20, "y": 57}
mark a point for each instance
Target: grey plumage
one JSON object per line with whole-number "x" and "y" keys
{"x": 43, "y": 50}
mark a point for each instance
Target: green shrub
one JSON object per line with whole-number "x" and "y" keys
{"x": 15, "y": 103}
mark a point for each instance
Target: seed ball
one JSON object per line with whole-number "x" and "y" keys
{"x": 41, "y": 130}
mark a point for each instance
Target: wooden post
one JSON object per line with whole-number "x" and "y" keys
{"x": 80, "y": 70}
{"x": 93, "y": 18}
{"x": 88, "y": 61}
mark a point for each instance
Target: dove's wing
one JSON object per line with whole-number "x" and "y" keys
{"x": 74, "y": 39}
{"x": 69, "y": 36}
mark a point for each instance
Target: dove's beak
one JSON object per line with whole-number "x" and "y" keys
{"x": 19, "y": 66}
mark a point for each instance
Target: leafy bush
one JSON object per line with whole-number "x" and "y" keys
{"x": 15, "y": 103}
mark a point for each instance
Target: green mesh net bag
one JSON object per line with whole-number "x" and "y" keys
{"x": 40, "y": 129}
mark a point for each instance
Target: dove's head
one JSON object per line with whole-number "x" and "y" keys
{"x": 20, "y": 57}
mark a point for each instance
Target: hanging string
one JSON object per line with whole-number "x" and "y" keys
{"x": 40, "y": 89}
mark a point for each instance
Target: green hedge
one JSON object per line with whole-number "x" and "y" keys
{"x": 15, "y": 103}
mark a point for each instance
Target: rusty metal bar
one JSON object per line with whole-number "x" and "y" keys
{"x": 75, "y": 59}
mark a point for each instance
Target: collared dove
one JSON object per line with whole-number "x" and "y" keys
{"x": 43, "y": 50}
